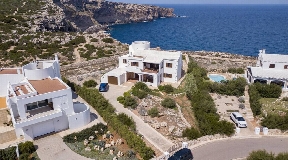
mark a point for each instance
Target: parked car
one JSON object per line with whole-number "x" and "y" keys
{"x": 104, "y": 87}
{"x": 238, "y": 119}
{"x": 182, "y": 154}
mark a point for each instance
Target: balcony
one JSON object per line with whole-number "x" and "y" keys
{"x": 150, "y": 70}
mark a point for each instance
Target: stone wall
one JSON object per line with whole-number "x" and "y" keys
{"x": 7, "y": 136}
{"x": 3, "y": 116}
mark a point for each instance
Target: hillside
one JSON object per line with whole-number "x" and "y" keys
{"x": 33, "y": 29}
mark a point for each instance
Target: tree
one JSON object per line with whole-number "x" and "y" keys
{"x": 26, "y": 147}
{"x": 191, "y": 133}
{"x": 90, "y": 83}
{"x": 190, "y": 85}
{"x": 168, "y": 103}
{"x": 166, "y": 88}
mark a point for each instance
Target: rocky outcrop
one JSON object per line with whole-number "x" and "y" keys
{"x": 87, "y": 13}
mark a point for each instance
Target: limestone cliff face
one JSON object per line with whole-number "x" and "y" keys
{"x": 94, "y": 13}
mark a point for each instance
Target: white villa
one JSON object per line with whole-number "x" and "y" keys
{"x": 270, "y": 68}
{"x": 39, "y": 101}
{"x": 145, "y": 65}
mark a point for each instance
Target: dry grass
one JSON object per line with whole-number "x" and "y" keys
{"x": 273, "y": 105}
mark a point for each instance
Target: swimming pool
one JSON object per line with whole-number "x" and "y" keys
{"x": 216, "y": 77}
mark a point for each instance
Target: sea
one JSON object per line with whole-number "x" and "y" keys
{"x": 237, "y": 29}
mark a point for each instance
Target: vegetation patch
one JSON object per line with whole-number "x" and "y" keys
{"x": 90, "y": 83}
{"x": 236, "y": 70}
{"x": 264, "y": 155}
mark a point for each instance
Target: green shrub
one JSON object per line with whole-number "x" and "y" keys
{"x": 86, "y": 133}
{"x": 121, "y": 99}
{"x": 260, "y": 155}
{"x": 168, "y": 103}
{"x": 130, "y": 102}
{"x": 234, "y": 87}
{"x": 142, "y": 86}
{"x": 254, "y": 100}
{"x": 284, "y": 99}
{"x": 153, "y": 112}
{"x": 236, "y": 70}
{"x": 8, "y": 153}
{"x": 90, "y": 83}
{"x": 191, "y": 133}
{"x": 94, "y": 40}
{"x": 24, "y": 156}
{"x": 282, "y": 156}
{"x": 273, "y": 121}
{"x": 268, "y": 91}
{"x": 108, "y": 40}
{"x": 138, "y": 93}
{"x": 166, "y": 88}
{"x": 126, "y": 120}
{"x": 26, "y": 147}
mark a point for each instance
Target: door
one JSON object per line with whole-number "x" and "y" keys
{"x": 43, "y": 128}
{"x": 112, "y": 80}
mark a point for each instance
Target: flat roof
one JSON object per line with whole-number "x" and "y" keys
{"x": 8, "y": 71}
{"x": 282, "y": 58}
{"x": 2, "y": 102}
{"x": 47, "y": 85}
{"x": 259, "y": 72}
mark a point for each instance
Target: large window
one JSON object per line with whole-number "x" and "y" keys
{"x": 134, "y": 64}
{"x": 166, "y": 75}
{"x": 124, "y": 60}
{"x": 272, "y": 66}
{"x": 169, "y": 65}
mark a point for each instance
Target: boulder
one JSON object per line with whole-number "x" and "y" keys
{"x": 86, "y": 142}
{"x": 91, "y": 138}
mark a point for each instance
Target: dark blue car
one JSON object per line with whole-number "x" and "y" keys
{"x": 182, "y": 154}
{"x": 104, "y": 87}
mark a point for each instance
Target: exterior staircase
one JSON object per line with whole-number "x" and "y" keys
{"x": 249, "y": 113}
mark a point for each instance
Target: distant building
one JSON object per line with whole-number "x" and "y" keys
{"x": 270, "y": 68}
{"x": 145, "y": 65}
{"x": 39, "y": 101}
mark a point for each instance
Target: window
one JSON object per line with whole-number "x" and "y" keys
{"x": 124, "y": 60}
{"x": 272, "y": 66}
{"x": 285, "y": 66}
{"x": 166, "y": 75}
{"x": 134, "y": 64}
{"x": 162, "y": 64}
{"x": 169, "y": 65}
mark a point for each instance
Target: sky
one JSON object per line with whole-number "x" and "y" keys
{"x": 204, "y": 1}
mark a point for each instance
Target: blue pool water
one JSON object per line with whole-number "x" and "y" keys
{"x": 240, "y": 29}
{"x": 216, "y": 77}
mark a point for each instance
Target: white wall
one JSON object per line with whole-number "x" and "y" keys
{"x": 39, "y": 73}
{"x": 172, "y": 71}
{"x": 179, "y": 68}
{"x": 79, "y": 119}
{"x": 61, "y": 123}
{"x": 5, "y": 79}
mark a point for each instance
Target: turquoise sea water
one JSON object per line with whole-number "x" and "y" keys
{"x": 240, "y": 29}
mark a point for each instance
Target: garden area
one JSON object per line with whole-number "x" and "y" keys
{"x": 99, "y": 143}
{"x": 26, "y": 149}
{"x": 121, "y": 124}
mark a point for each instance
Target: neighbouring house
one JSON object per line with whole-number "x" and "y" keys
{"x": 270, "y": 68}
{"x": 39, "y": 101}
{"x": 146, "y": 65}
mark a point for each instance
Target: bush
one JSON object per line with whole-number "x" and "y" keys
{"x": 94, "y": 40}
{"x": 236, "y": 70}
{"x": 285, "y": 99}
{"x": 254, "y": 100}
{"x": 153, "y": 112}
{"x": 232, "y": 88}
{"x": 273, "y": 121}
{"x": 191, "y": 133}
{"x": 140, "y": 90}
{"x": 86, "y": 133}
{"x": 130, "y": 102}
{"x": 166, "y": 88}
{"x": 108, "y": 40}
{"x": 268, "y": 91}
{"x": 168, "y": 103}
{"x": 90, "y": 83}
{"x": 8, "y": 153}
{"x": 24, "y": 156}
{"x": 282, "y": 156}
{"x": 126, "y": 120}
{"x": 260, "y": 155}
{"x": 26, "y": 147}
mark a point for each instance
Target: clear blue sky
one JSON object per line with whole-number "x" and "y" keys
{"x": 204, "y": 1}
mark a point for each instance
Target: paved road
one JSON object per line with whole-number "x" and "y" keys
{"x": 239, "y": 148}
{"x": 52, "y": 147}
{"x": 149, "y": 133}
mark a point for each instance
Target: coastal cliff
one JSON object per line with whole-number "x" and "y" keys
{"x": 97, "y": 14}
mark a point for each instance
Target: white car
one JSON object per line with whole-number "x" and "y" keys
{"x": 238, "y": 119}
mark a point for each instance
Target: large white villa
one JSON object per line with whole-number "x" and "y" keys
{"x": 39, "y": 101}
{"x": 270, "y": 68}
{"x": 146, "y": 65}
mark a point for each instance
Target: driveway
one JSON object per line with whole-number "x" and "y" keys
{"x": 149, "y": 133}
{"x": 53, "y": 147}
{"x": 239, "y": 148}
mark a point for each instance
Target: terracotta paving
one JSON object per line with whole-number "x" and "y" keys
{"x": 47, "y": 85}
